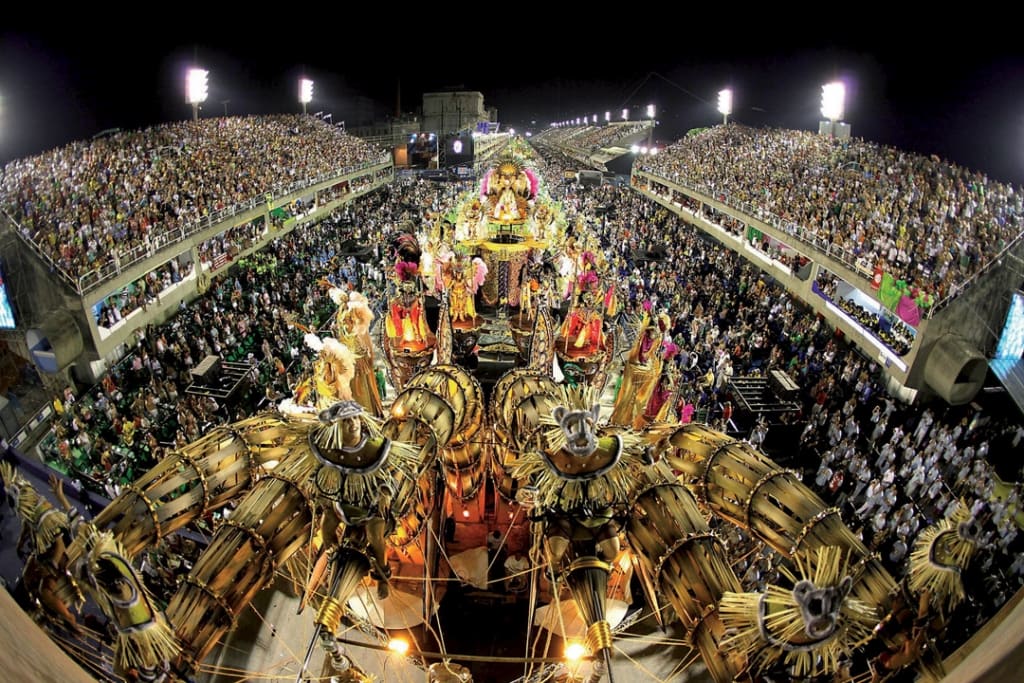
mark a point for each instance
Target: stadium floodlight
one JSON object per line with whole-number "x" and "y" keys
{"x": 607, "y": 117}
{"x": 652, "y": 151}
{"x": 725, "y": 104}
{"x": 635, "y": 149}
{"x": 577, "y": 120}
{"x": 650, "y": 111}
{"x": 625, "y": 114}
{"x": 593, "y": 119}
{"x": 643, "y": 149}
{"x": 833, "y": 99}
{"x": 305, "y": 92}
{"x": 196, "y": 89}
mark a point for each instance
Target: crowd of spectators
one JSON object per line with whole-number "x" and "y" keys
{"x": 588, "y": 139}
{"x": 231, "y": 242}
{"x": 924, "y": 220}
{"x": 138, "y": 295}
{"x": 123, "y": 425}
{"x": 94, "y": 203}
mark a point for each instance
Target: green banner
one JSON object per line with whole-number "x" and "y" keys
{"x": 889, "y": 292}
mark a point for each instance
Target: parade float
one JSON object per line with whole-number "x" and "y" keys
{"x": 354, "y": 497}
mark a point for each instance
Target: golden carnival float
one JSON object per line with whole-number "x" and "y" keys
{"x": 353, "y": 497}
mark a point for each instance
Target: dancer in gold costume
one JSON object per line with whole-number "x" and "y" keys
{"x": 352, "y": 323}
{"x": 640, "y": 375}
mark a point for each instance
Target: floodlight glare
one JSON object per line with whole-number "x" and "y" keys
{"x": 650, "y": 111}
{"x": 399, "y": 646}
{"x": 196, "y": 85}
{"x": 625, "y": 114}
{"x": 635, "y": 149}
{"x": 833, "y": 98}
{"x": 725, "y": 102}
{"x": 575, "y": 651}
{"x": 305, "y": 90}
{"x": 607, "y": 116}
{"x": 652, "y": 151}
{"x": 593, "y": 119}
{"x": 643, "y": 149}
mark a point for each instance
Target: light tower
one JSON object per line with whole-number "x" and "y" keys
{"x": 833, "y": 101}
{"x": 650, "y": 131}
{"x": 725, "y": 104}
{"x": 196, "y": 89}
{"x": 305, "y": 92}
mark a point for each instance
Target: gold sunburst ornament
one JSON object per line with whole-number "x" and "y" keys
{"x": 811, "y": 626}
{"x": 144, "y": 637}
{"x": 574, "y": 464}
{"x": 341, "y": 475}
{"x": 939, "y": 556}
{"x": 45, "y": 522}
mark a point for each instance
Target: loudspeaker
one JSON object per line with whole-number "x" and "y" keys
{"x": 783, "y": 385}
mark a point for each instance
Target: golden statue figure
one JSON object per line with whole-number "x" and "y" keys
{"x": 508, "y": 192}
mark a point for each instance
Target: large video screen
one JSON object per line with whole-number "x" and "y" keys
{"x": 6, "y": 311}
{"x": 422, "y": 150}
{"x": 1011, "y": 343}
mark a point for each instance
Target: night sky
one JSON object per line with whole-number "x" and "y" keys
{"x": 927, "y": 90}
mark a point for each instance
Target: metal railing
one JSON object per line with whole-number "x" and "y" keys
{"x": 121, "y": 260}
{"x": 20, "y": 231}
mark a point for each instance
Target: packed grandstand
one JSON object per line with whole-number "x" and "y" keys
{"x": 95, "y": 206}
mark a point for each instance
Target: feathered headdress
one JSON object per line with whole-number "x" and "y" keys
{"x": 407, "y": 247}
{"x": 587, "y": 280}
{"x": 486, "y": 184}
{"x": 361, "y": 315}
{"x": 534, "y": 182}
{"x": 479, "y": 273}
{"x": 406, "y": 271}
{"x": 338, "y": 295}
